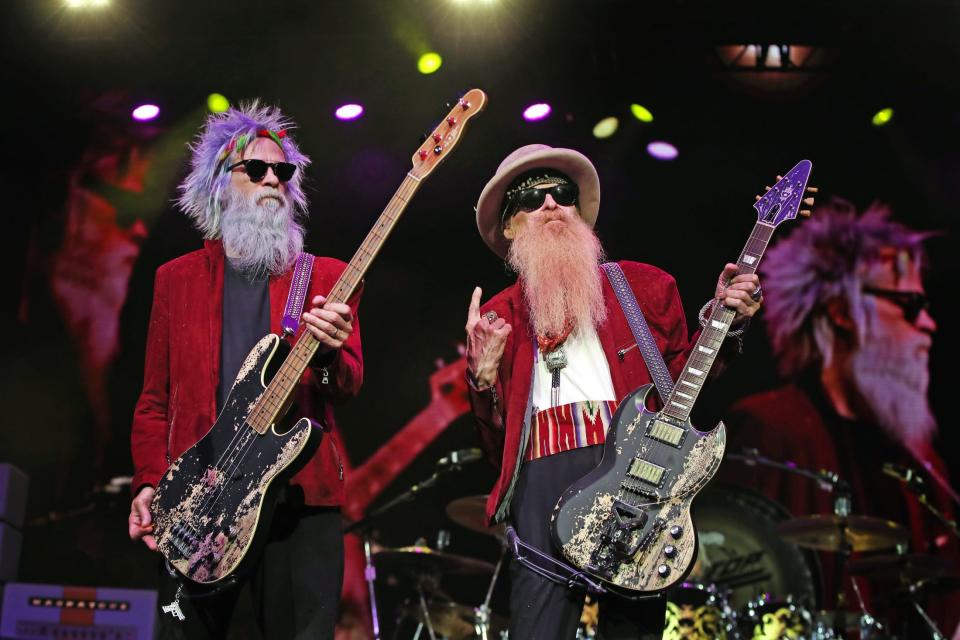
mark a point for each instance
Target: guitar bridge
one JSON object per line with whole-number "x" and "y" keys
{"x": 617, "y": 544}
{"x": 184, "y": 538}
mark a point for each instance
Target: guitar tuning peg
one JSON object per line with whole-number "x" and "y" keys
{"x": 808, "y": 202}
{"x": 805, "y": 213}
{"x": 779, "y": 177}
{"x": 812, "y": 189}
{"x": 766, "y": 188}
{"x": 757, "y": 198}
{"x": 423, "y": 138}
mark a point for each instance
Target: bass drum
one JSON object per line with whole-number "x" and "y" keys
{"x": 741, "y": 553}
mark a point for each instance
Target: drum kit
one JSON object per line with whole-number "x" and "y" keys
{"x": 757, "y": 574}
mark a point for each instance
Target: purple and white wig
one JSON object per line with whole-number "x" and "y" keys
{"x": 827, "y": 257}
{"x": 204, "y": 192}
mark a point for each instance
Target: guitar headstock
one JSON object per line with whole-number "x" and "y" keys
{"x": 444, "y": 138}
{"x": 783, "y": 200}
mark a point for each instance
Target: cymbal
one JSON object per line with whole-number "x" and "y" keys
{"x": 833, "y": 533}
{"x": 471, "y": 512}
{"x": 456, "y": 621}
{"x": 912, "y": 566}
{"x": 418, "y": 560}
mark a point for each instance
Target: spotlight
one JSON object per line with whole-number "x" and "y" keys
{"x": 86, "y": 4}
{"x": 882, "y": 117}
{"x": 429, "y": 62}
{"x": 662, "y": 150}
{"x": 217, "y": 103}
{"x": 349, "y": 112}
{"x": 146, "y": 112}
{"x": 606, "y": 127}
{"x": 537, "y": 111}
{"x": 641, "y": 113}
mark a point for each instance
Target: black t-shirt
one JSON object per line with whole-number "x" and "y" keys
{"x": 246, "y": 319}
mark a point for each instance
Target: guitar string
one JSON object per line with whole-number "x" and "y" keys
{"x": 407, "y": 188}
{"x": 756, "y": 245}
{"x": 392, "y": 212}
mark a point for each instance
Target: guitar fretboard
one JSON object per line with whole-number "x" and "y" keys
{"x": 277, "y": 395}
{"x": 695, "y": 372}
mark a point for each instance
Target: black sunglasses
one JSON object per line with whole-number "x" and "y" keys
{"x": 532, "y": 199}
{"x": 257, "y": 169}
{"x": 910, "y": 302}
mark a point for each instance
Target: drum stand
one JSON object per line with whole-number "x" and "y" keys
{"x": 483, "y": 611}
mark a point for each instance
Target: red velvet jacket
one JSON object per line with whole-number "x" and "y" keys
{"x": 657, "y": 295}
{"x": 178, "y": 403}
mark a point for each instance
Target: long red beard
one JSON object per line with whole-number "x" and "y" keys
{"x": 557, "y": 264}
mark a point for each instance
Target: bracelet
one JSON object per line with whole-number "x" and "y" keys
{"x": 731, "y": 333}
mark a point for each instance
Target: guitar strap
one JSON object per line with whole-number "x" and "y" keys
{"x": 299, "y": 284}
{"x": 641, "y": 331}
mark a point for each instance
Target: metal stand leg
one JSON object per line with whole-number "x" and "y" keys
{"x": 483, "y": 612}
{"x": 426, "y": 614}
{"x": 931, "y": 625}
{"x": 370, "y": 575}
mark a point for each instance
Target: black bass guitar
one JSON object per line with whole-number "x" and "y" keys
{"x": 214, "y": 501}
{"x": 628, "y": 521}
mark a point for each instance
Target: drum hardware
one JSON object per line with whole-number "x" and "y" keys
{"x": 449, "y": 463}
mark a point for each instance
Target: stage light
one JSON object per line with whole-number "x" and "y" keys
{"x": 537, "y": 111}
{"x": 146, "y": 112}
{"x": 349, "y": 112}
{"x": 641, "y": 113}
{"x": 217, "y": 103}
{"x": 606, "y": 127}
{"x": 429, "y": 62}
{"x": 86, "y": 4}
{"x": 662, "y": 150}
{"x": 882, "y": 117}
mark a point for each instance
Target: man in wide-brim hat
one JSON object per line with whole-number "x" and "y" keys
{"x": 557, "y": 345}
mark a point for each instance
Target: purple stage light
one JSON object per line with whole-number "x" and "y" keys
{"x": 537, "y": 111}
{"x": 662, "y": 150}
{"x": 349, "y": 112}
{"x": 146, "y": 112}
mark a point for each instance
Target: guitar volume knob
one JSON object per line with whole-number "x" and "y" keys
{"x": 670, "y": 551}
{"x": 663, "y": 571}
{"x": 676, "y": 531}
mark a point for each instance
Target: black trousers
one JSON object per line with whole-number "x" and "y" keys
{"x": 295, "y": 585}
{"x": 547, "y": 610}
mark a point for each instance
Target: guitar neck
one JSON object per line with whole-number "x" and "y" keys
{"x": 277, "y": 394}
{"x": 704, "y": 353}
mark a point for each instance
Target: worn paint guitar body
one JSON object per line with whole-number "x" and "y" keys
{"x": 212, "y": 505}
{"x": 628, "y": 522}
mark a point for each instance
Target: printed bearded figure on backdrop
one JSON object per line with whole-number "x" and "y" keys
{"x": 848, "y": 319}
{"x": 244, "y": 194}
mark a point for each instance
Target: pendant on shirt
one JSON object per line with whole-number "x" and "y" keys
{"x": 554, "y": 361}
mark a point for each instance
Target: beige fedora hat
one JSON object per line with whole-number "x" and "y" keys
{"x": 535, "y": 156}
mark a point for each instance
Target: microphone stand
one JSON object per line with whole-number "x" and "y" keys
{"x": 362, "y": 528}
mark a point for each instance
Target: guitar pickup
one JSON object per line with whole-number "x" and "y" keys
{"x": 666, "y": 433}
{"x": 646, "y": 471}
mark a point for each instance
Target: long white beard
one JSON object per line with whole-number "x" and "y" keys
{"x": 559, "y": 275}
{"x": 260, "y": 234}
{"x": 893, "y": 380}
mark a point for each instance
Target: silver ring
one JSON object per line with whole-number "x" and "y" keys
{"x": 757, "y": 293}
{"x": 490, "y": 316}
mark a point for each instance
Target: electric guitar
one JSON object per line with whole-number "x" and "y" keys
{"x": 215, "y": 500}
{"x": 628, "y": 521}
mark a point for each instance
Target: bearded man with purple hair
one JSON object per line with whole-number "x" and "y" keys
{"x": 848, "y": 320}
{"x": 210, "y": 307}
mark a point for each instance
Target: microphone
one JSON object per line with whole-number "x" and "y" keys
{"x": 460, "y": 456}
{"x": 906, "y": 475}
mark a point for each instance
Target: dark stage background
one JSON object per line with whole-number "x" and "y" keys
{"x": 88, "y": 214}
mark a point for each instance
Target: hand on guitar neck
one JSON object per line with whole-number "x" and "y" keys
{"x": 331, "y": 323}
{"x": 736, "y": 291}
